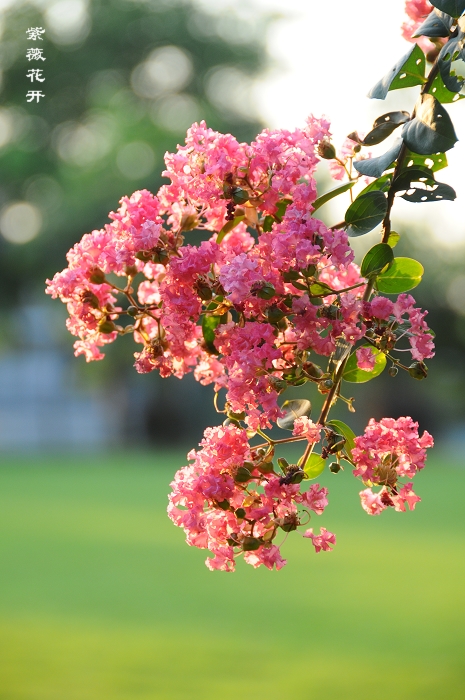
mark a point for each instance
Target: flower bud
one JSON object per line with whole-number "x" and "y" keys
{"x": 132, "y": 311}
{"x": 160, "y": 256}
{"x": 326, "y": 149}
{"x": 250, "y": 544}
{"x": 240, "y": 513}
{"x": 96, "y": 275}
{"x": 224, "y": 505}
{"x": 290, "y": 275}
{"x": 393, "y": 371}
{"x": 335, "y": 468}
{"x": 263, "y": 290}
{"x": 242, "y": 475}
{"x": 189, "y": 222}
{"x": 239, "y": 195}
{"x": 106, "y": 326}
{"x": 275, "y": 315}
{"x": 418, "y": 370}
{"x": 279, "y": 385}
{"x": 131, "y": 270}
{"x": 283, "y": 463}
{"x": 328, "y": 383}
{"x": 313, "y": 370}
{"x": 143, "y": 255}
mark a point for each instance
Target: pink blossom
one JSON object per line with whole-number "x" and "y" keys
{"x": 417, "y": 11}
{"x": 405, "y": 495}
{"x": 304, "y": 427}
{"x": 372, "y": 502}
{"x": 398, "y": 440}
{"x": 365, "y": 359}
{"x": 381, "y": 307}
{"x": 315, "y": 498}
{"x": 321, "y": 541}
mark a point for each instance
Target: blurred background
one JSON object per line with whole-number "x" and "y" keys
{"x": 99, "y": 597}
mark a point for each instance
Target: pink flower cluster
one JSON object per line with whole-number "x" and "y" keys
{"x": 231, "y": 502}
{"x": 417, "y": 11}
{"x": 270, "y": 292}
{"x": 388, "y": 451}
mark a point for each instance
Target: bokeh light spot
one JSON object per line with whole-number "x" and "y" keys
{"x": 20, "y": 222}
{"x": 136, "y": 160}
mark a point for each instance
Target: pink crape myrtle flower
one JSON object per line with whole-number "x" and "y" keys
{"x": 365, "y": 359}
{"x": 323, "y": 541}
{"x": 398, "y": 441}
{"x": 308, "y": 429}
{"x": 372, "y": 503}
{"x": 417, "y": 11}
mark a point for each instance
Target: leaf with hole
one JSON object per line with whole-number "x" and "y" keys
{"x": 439, "y": 192}
{"x": 293, "y": 409}
{"x": 436, "y": 25}
{"x": 454, "y": 8}
{"x": 365, "y": 213}
{"x": 333, "y": 193}
{"x": 347, "y": 432}
{"x": 416, "y": 173}
{"x": 433, "y": 161}
{"x": 403, "y": 275}
{"x": 314, "y": 466}
{"x": 376, "y": 260}
{"x": 209, "y": 324}
{"x": 432, "y": 130}
{"x": 375, "y": 167}
{"x": 449, "y": 53}
{"x": 384, "y": 126}
{"x": 353, "y": 374}
{"x": 442, "y": 94}
{"x": 407, "y": 72}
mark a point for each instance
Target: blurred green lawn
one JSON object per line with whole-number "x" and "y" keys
{"x": 100, "y": 599}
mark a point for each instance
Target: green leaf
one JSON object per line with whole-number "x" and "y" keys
{"x": 381, "y": 184}
{"x": 365, "y": 213}
{"x": 293, "y": 409}
{"x": 268, "y": 222}
{"x": 314, "y": 466}
{"x": 433, "y": 161}
{"x": 417, "y": 173}
{"x": 441, "y": 93}
{"x": 330, "y": 195}
{"x": 353, "y": 374}
{"x": 209, "y": 323}
{"x": 432, "y": 130}
{"x": 229, "y": 226}
{"x": 347, "y": 432}
{"x": 376, "y": 260}
{"x": 454, "y": 8}
{"x": 320, "y": 289}
{"x": 407, "y": 72}
{"x": 404, "y": 274}
{"x": 384, "y": 126}
{"x": 393, "y": 239}
{"x": 436, "y": 25}
{"x": 375, "y": 167}
{"x": 281, "y": 207}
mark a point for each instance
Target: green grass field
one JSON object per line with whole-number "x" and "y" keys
{"x": 100, "y": 598}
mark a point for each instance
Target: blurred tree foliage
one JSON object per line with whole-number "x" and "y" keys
{"x": 115, "y": 100}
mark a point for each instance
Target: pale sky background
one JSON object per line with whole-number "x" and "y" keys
{"x": 328, "y": 55}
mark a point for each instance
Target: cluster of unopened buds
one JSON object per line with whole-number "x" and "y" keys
{"x": 270, "y": 299}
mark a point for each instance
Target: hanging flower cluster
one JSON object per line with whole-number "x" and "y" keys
{"x": 270, "y": 298}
